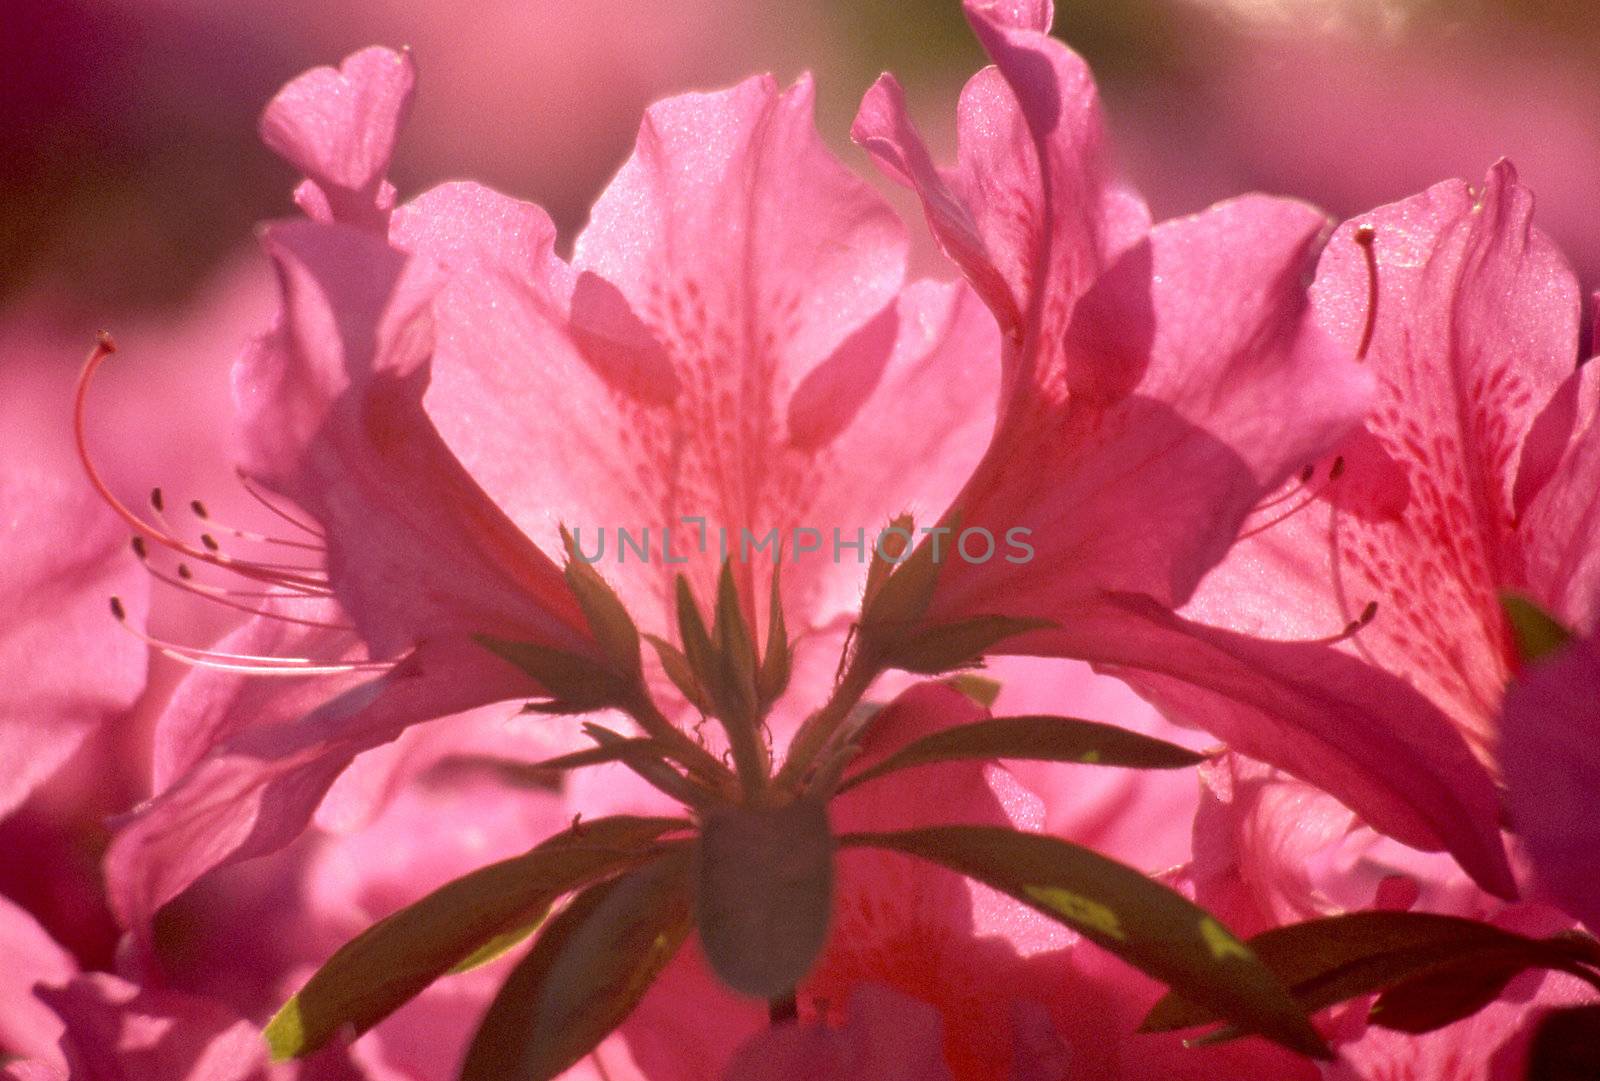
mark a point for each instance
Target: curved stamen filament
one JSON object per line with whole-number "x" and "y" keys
{"x": 104, "y": 347}
{"x": 1309, "y": 498}
{"x": 184, "y": 581}
{"x": 1365, "y": 237}
{"x": 198, "y": 509}
{"x": 252, "y": 664}
{"x": 255, "y": 493}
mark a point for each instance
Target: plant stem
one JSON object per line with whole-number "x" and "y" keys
{"x": 693, "y": 757}
{"x": 819, "y": 728}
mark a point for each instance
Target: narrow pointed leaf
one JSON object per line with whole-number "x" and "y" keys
{"x": 588, "y": 969}
{"x": 648, "y": 764}
{"x": 773, "y": 679}
{"x": 1444, "y": 995}
{"x": 697, "y": 645}
{"x": 607, "y": 617}
{"x": 765, "y": 893}
{"x": 1037, "y": 738}
{"x": 1152, "y": 927}
{"x": 1335, "y": 958}
{"x": 621, "y": 750}
{"x": 731, "y": 633}
{"x": 576, "y": 684}
{"x": 396, "y": 958}
{"x": 954, "y": 645}
{"x": 879, "y": 569}
{"x": 681, "y": 672}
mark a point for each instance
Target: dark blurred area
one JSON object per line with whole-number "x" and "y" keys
{"x": 130, "y": 168}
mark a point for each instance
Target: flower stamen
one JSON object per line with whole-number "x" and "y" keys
{"x": 249, "y": 663}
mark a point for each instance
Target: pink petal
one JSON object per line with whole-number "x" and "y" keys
{"x": 333, "y": 419}
{"x": 1272, "y": 850}
{"x": 1022, "y": 14}
{"x": 1325, "y": 717}
{"x": 1560, "y": 528}
{"x": 116, "y": 1031}
{"x": 69, "y": 666}
{"x": 27, "y": 1027}
{"x": 887, "y": 1036}
{"x": 784, "y": 350}
{"x": 257, "y": 789}
{"x": 1550, "y": 752}
{"x": 1476, "y": 329}
{"x": 338, "y": 127}
{"x": 1195, "y": 388}
{"x": 1141, "y": 817}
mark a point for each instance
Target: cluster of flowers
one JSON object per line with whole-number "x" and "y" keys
{"x": 865, "y": 821}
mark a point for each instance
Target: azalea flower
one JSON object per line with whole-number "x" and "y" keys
{"x": 444, "y": 402}
{"x": 1473, "y": 478}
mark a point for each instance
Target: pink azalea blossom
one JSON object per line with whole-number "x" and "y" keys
{"x": 1159, "y": 387}
{"x": 1474, "y": 475}
{"x": 335, "y": 417}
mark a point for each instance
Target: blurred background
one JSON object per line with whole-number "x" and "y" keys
{"x": 131, "y": 177}
{"x": 130, "y": 172}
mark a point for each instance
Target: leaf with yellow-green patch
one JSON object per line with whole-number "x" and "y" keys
{"x": 395, "y": 959}
{"x": 588, "y": 969}
{"x": 1036, "y": 738}
{"x": 981, "y": 689}
{"x": 1536, "y": 633}
{"x": 1152, "y": 927}
{"x": 1335, "y": 958}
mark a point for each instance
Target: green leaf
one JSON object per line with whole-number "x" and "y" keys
{"x": 734, "y": 640}
{"x": 1329, "y": 960}
{"x": 681, "y": 672}
{"x": 621, "y": 750}
{"x": 607, "y": 617}
{"x": 897, "y": 602}
{"x": 1566, "y": 1046}
{"x": 698, "y": 648}
{"x": 396, "y": 958}
{"x": 586, "y": 972}
{"x": 879, "y": 569}
{"x": 773, "y": 679}
{"x": 1536, "y": 633}
{"x": 765, "y": 893}
{"x": 1039, "y": 739}
{"x": 500, "y": 945}
{"x": 954, "y": 645}
{"x": 575, "y": 683}
{"x": 1446, "y": 993}
{"x": 1153, "y": 928}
